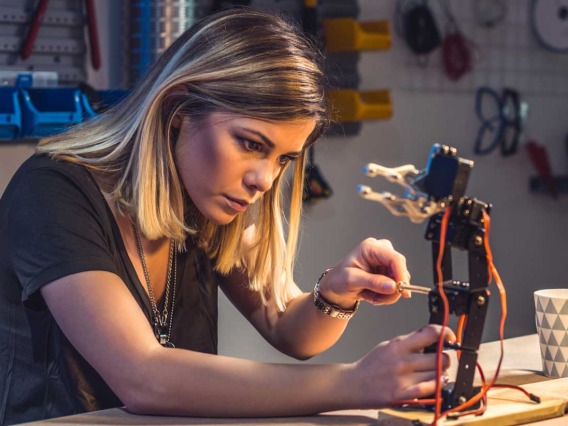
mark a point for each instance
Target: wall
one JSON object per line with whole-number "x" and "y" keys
{"x": 529, "y": 230}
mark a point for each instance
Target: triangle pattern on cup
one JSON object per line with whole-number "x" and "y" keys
{"x": 538, "y": 305}
{"x": 558, "y": 325}
{"x": 559, "y": 305}
{"x": 551, "y": 318}
{"x": 539, "y": 317}
{"x": 561, "y": 369}
{"x": 564, "y": 320}
{"x": 549, "y": 308}
{"x": 544, "y": 323}
{"x": 548, "y": 353}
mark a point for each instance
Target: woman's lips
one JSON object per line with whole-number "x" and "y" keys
{"x": 237, "y": 205}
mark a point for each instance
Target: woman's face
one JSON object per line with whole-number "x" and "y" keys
{"x": 227, "y": 162}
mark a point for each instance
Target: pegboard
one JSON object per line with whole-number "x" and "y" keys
{"x": 60, "y": 44}
{"x": 505, "y": 55}
{"x": 154, "y": 25}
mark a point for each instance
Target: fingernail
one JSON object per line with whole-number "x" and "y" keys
{"x": 389, "y": 286}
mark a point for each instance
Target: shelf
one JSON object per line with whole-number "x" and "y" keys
{"x": 32, "y": 112}
{"x": 49, "y": 111}
{"x": 348, "y": 35}
{"x": 10, "y": 113}
{"x": 352, "y": 105}
{"x": 60, "y": 43}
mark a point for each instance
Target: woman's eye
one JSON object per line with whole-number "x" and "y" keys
{"x": 285, "y": 159}
{"x": 251, "y": 145}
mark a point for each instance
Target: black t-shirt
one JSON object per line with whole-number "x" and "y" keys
{"x": 54, "y": 222}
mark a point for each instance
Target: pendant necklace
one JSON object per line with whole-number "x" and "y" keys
{"x": 162, "y": 327}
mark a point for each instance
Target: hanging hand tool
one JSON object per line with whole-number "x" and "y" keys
{"x": 93, "y": 34}
{"x": 37, "y": 19}
{"x": 538, "y": 155}
{"x": 29, "y": 41}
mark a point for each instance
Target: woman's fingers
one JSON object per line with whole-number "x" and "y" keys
{"x": 381, "y": 254}
{"x": 399, "y": 369}
{"x": 360, "y": 280}
{"x": 378, "y": 299}
{"x": 427, "y": 362}
{"x": 423, "y": 384}
{"x": 370, "y": 272}
{"x": 426, "y": 336}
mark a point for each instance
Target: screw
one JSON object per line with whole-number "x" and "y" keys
{"x": 481, "y": 301}
{"x": 478, "y": 240}
{"x": 462, "y": 400}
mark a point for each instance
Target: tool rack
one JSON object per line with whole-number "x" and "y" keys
{"x": 60, "y": 45}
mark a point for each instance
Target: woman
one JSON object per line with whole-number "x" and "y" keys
{"x": 118, "y": 232}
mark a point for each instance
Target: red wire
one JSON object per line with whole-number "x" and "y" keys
{"x": 440, "y": 347}
{"x": 482, "y": 394}
{"x": 493, "y": 274}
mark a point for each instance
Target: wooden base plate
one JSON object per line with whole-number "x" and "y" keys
{"x": 505, "y": 407}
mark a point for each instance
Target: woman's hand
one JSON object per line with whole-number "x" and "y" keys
{"x": 399, "y": 369}
{"x": 370, "y": 272}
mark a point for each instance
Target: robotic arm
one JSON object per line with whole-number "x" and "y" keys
{"x": 413, "y": 204}
{"x": 428, "y": 193}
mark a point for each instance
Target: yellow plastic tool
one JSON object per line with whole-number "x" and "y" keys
{"x": 349, "y": 105}
{"x": 347, "y": 35}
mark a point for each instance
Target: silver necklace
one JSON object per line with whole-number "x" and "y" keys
{"x": 162, "y": 328}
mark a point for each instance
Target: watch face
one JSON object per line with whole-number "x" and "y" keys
{"x": 550, "y": 23}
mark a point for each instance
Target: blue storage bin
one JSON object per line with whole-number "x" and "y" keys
{"x": 47, "y": 111}
{"x": 10, "y": 113}
{"x": 108, "y": 98}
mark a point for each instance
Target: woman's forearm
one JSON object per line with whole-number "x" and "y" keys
{"x": 303, "y": 331}
{"x": 188, "y": 383}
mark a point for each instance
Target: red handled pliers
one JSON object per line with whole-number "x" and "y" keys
{"x": 37, "y": 19}
{"x": 538, "y": 155}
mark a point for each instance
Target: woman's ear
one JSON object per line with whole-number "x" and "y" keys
{"x": 177, "y": 121}
{"x": 172, "y": 103}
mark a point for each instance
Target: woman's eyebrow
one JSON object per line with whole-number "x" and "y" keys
{"x": 268, "y": 142}
{"x": 261, "y": 136}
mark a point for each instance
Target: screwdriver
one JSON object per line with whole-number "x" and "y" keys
{"x": 402, "y": 286}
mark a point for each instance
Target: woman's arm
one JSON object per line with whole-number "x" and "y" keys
{"x": 368, "y": 273}
{"x": 101, "y": 319}
{"x": 300, "y": 332}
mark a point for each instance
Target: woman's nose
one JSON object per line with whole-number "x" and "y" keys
{"x": 261, "y": 176}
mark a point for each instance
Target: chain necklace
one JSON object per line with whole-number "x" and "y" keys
{"x": 162, "y": 328}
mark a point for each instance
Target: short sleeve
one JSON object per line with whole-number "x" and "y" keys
{"x": 57, "y": 226}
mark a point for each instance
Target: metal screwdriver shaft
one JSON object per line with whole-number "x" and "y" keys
{"x": 402, "y": 286}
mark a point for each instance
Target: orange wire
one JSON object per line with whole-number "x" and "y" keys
{"x": 459, "y": 332}
{"x": 439, "y": 272}
{"x": 482, "y": 394}
{"x": 503, "y": 296}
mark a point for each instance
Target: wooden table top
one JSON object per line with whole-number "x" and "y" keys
{"x": 521, "y": 365}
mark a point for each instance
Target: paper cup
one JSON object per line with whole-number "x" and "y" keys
{"x": 551, "y": 317}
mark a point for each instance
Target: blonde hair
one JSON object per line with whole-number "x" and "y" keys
{"x": 238, "y": 61}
